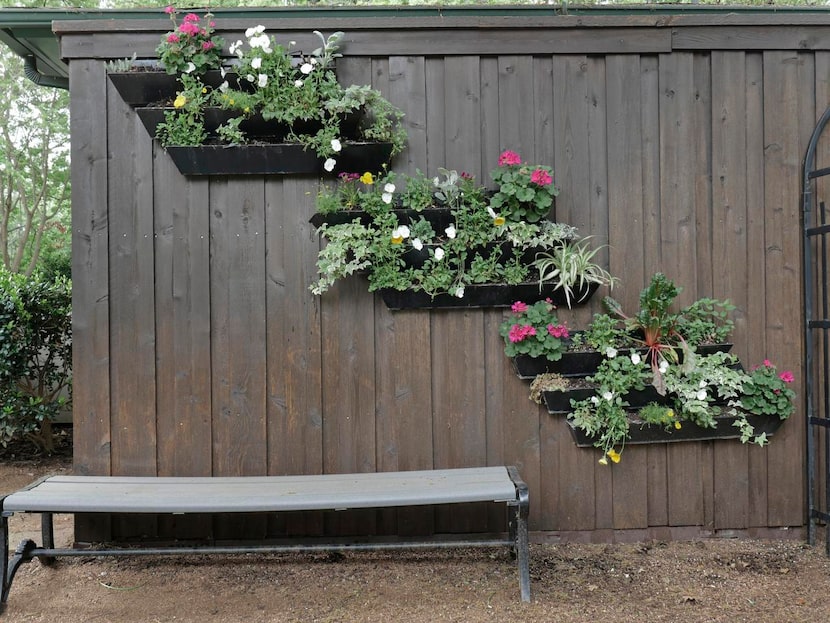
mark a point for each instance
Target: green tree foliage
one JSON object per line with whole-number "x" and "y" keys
{"x": 35, "y": 355}
{"x": 34, "y": 168}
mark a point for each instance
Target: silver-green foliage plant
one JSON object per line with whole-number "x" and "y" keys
{"x": 571, "y": 267}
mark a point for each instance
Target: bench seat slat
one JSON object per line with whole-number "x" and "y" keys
{"x": 91, "y": 494}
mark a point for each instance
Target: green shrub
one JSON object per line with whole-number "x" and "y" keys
{"x": 35, "y": 356}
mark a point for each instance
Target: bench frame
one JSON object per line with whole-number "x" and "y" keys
{"x": 29, "y": 501}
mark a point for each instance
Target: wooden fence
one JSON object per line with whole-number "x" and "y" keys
{"x": 676, "y": 140}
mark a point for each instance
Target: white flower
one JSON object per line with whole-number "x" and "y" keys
{"x": 386, "y": 198}
{"x": 701, "y": 395}
{"x": 313, "y": 61}
{"x": 417, "y": 244}
{"x": 664, "y": 365}
{"x": 298, "y": 83}
{"x": 635, "y": 358}
{"x": 389, "y": 188}
{"x": 608, "y": 395}
{"x": 702, "y": 384}
{"x": 234, "y": 48}
{"x": 224, "y": 86}
{"x": 595, "y": 400}
{"x": 262, "y": 42}
{"x": 249, "y": 77}
{"x": 401, "y": 232}
{"x": 254, "y": 30}
{"x": 610, "y": 352}
{"x": 256, "y": 62}
{"x": 190, "y": 68}
{"x": 223, "y": 71}
{"x": 335, "y": 144}
{"x": 292, "y": 43}
{"x": 306, "y": 68}
{"x": 450, "y": 231}
{"x": 459, "y": 292}
{"x": 328, "y": 165}
{"x": 439, "y": 254}
{"x": 262, "y": 81}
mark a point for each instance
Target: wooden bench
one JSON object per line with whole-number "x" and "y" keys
{"x": 264, "y": 494}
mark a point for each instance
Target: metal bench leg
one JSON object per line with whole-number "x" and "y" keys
{"x": 519, "y": 533}
{"x": 4, "y": 558}
{"x": 47, "y": 535}
{"x": 21, "y": 555}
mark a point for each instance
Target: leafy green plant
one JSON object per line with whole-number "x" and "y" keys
{"x": 185, "y": 124}
{"x": 478, "y": 246}
{"x": 605, "y": 333}
{"x": 524, "y": 192}
{"x": 706, "y": 321}
{"x": 571, "y": 267}
{"x": 35, "y": 356}
{"x": 534, "y": 330}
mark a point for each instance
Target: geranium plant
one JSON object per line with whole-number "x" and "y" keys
{"x": 524, "y": 191}
{"x": 192, "y": 47}
{"x": 534, "y": 330}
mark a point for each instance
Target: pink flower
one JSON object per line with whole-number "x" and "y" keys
{"x": 191, "y": 17}
{"x": 519, "y": 332}
{"x": 170, "y": 10}
{"x": 212, "y": 24}
{"x": 541, "y": 177}
{"x": 172, "y": 38}
{"x": 786, "y": 376}
{"x": 187, "y": 28}
{"x": 558, "y": 330}
{"x": 509, "y": 157}
{"x": 208, "y": 45}
{"x": 768, "y": 363}
{"x": 466, "y": 176}
{"x": 519, "y": 307}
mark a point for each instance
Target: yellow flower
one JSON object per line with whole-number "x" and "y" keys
{"x": 231, "y": 102}
{"x": 180, "y": 101}
{"x": 603, "y": 461}
{"x": 246, "y": 109}
{"x": 204, "y": 89}
{"x": 498, "y": 221}
{"x": 367, "y": 178}
{"x": 677, "y": 425}
{"x": 397, "y": 239}
{"x": 613, "y": 455}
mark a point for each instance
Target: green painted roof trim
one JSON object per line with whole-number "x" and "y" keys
{"x": 28, "y": 32}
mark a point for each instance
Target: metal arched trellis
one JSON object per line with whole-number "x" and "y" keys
{"x": 817, "y": 336}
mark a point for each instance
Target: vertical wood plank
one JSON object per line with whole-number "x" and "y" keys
{"x": 579, "y": 486}
{"x": 625, "y": 219}
{"x": 182, "y": 296}
{"x": 132, "y": 313}
{"x": 788, "y": 98}
{"x": 238, "y": 341}
{"x": 404, "y": 397}
{"x": 729, "y": 248}
{"x": 657, "y": 466}
{"x": 458, "y": 378}
{"x": 90, "y": 282}
{"x": 755, "y": 349}
{"x": 294, "y": 350}
{"x": 677, "y": 233}
{"x": 506, "y": 395}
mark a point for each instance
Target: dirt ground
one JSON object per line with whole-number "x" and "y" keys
{"x": 713, "y": 580}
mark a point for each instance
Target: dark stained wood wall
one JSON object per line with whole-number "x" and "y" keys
{"x": 676, "y": 141}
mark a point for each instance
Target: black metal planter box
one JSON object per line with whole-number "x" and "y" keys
{"x": 559, "y": 402}
{"x": 275, "y": 159}
{"x": 483, "y": 295}
{"x": 584, "y": 363}
{"x": 642, "y": 433}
